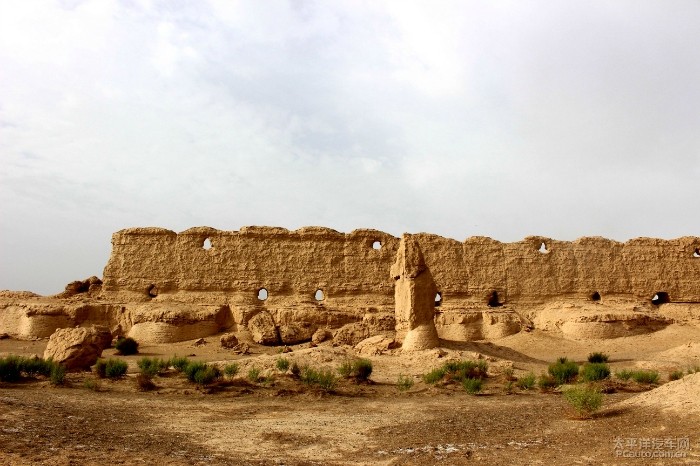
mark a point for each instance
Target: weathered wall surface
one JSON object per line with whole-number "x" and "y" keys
{"x": 292, "y": 265}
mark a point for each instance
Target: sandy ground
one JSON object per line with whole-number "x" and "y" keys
{"x": 283, "y": 422}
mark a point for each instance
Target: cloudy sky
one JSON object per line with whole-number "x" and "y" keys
{"x": 495, "y": 118}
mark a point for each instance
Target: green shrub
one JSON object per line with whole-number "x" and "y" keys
{"x": 57, "y": 375}
{"x": 323, "y": 378}
{"x": 675, "y": 375}
{"x": 472, "y": 386}
{"x": 231, "y": 369}
{"x": 598, "y": 357}
{"x": 546, "y": 382}
{"x": 101, "y": 368}
{"x": 645, "y": 376}
{"x": 144, "y": 382}
{"x": 92, "y": 384}
{"x": 593, "y": 371}
{"x": 295, "y": 370}
{"x": 179, "y": 363}
{"x": 563, "y": 371}
{"x": 404, "y": 383}
{"x": 508, "y": 387}
{"x": 526, "y": 382}
{"x": 282, "y": 364}
{"x": 624, "y": 374}
{"x": 10, "y": 368}
{"x": 201, "y": 373}
{"x": 115, "y": 368}
{"x": 584, "y": 399}
{"x": 253, "y": 374}
{"x": 693, "y": 370}
{"x": 434, "y": 376}
{"x": 152, "y": 366}
{"x": 34, "y": 366}
{"x": 508, "y": 374}
{"x": 359, "y": 369}
{"x": 126, "y": 346}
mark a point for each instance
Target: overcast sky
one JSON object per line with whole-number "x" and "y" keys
{"x": 503, "y": 119}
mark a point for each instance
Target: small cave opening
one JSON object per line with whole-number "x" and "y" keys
{"x": 377, "y": 245}
{"x": 152, "y": 291}
{"x": 543, "y": 248}
{"x": 595, "y": 296}
{"x": 206, "y": 245}
{"x": 659, "y": 298}
{"x": 493, "y": 300}
{"x": 696, "y": 254}
{"x": 262, "y": 294}
{"x": 438, "y": 299}
{"x": 319, "y": 295}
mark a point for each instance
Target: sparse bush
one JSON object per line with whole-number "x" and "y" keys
{"x": 649, "y": 377}
{"x": 508, "y": 387}
{"x": 231, "y": 369}
{"x": 584, "y": 399}
{"x": 92, "y": 384}
{"x": 179, "y": 363}
{"x": 295, "y": 370}
{"x": 598, "y": 357}
{"x": 472, "y": 386}
{"x": 115, "y": 368}
{"x": 144, "y": 382}
{"x": 323, "y": 378}
{"x": 458, "y": 371}
{"x": 253, "y": 374}
{"x": 126, "y": 346}
{"x": 359, "y": 369}
{"x": 404, "y": 383}
{"x": 31, "y": 367}
{"x": 675, "y": 375}
{"x": 593, "y": 371}
{"x": 624, "y": 374}
{"x": 282, "y": 364}
{"x": 10, "y": 368}
{"x": 508, "y": 374}
{"x": 526, "y": 382}
{"x": 563, "y": 371}
{"x": 152, "y": 366}
{"x": 693, "y": 370}
{"x": 201, "y": 373}
{"x": 546, "y": 382}
{"x": 434, "y": 376}
{"x": 101, "y": 368}
{"x": 57, "y": 375}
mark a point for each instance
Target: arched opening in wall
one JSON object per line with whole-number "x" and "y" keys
{"x": 377, "y": 245}
{"x": 262, "y": 294}
{"x": 660, "y": 298}
{"x": 206, "y": 245}
{"x": 543, "y": 248}
{"x": 595, "y": 296}
{"x": 319, "y": 295}
{"x": 152, "y": 291}
{"x": 438, "y": 299}
{"x": 493, "y": 300}
{"x": 696, "y": 254}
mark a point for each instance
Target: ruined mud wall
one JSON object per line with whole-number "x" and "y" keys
{"x": 292, "y": 265}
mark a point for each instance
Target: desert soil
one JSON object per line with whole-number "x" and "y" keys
{"x": 281, "y": 421}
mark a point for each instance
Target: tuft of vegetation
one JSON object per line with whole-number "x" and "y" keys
{"x": 254, "y": 374}
{"x": 508, "y": 374}
{"x": 598, "y": 357}
{"x": 358, "y": 369}
{"x": 179, "y": 363}
{"x": 295, "y": 370}
{"x": 101, "y": 368}
{"x": 458, "y": 371}
{"x": 13, "y": 368}
{"x": 57, "y": 375}
{"x": 472, "y": 386}
{"x": 324, "y": 378}
{"x": 201, "y": 373}
{"x": 231, "y": 369}
{"x": 675, "y": 375}
{"x": 126, "y": 346}
{"x": 624, "y": 374}
{"x": 144, "y": 382}
{"x": 404, "y": 383}
{"x": 546, "y": 382}
{"x": 593, "y": 371}
{"x": 526, "y": 382}
{"x": 10, "y": 368}
{"x": 585, "y": 399}
{"x": 693, "y": 370}
{"x": 152, "y": 366}
{"x": 282, "y": 364}
{"x": 115, "y": 368}
{"x": 649, "y": 377}
{"x": 92, "y": 384}
{"x": 563, "y": 371}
